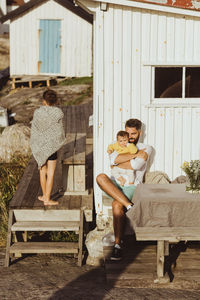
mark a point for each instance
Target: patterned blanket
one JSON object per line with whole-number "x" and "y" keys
{"x": 47, "y": 133}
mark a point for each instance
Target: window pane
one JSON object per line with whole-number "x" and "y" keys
{"x": 168, "y": 82}
{"x": 192, "y": 85}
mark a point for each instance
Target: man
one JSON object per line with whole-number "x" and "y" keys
{"x": 122, "y": 196}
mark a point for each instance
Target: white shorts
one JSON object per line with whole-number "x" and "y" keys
{"x": 127, "y": 174}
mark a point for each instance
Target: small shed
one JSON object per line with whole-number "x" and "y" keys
{"x": 50, "y": 37}
{"x": 147, "y": 66}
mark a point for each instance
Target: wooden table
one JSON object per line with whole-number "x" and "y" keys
{"x": 165, "y": 213}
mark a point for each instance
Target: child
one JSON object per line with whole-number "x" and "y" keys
{"x": 47, "y": 137}
{"x": 124, "y": 177}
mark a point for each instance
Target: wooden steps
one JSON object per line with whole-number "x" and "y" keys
{"x": 45, "y": 226}
{"x": 43, "y": 247}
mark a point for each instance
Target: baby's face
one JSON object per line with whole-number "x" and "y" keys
{"x": 122, "y": 141}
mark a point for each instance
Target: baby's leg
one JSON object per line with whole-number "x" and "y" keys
{"x": 43, "y": 180}
{"x": 51, "y": 166}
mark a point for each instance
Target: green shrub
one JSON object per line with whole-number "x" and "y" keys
{"x": 10, "y": 175}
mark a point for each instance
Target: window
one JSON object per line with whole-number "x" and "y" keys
{"x": 176, "y": 82}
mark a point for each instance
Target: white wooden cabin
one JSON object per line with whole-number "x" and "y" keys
{"x": 50, "y": 37}
{"x": 146, "y": 66}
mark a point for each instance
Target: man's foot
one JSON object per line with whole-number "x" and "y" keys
{"x": 50, "y": 202}
{"x": 129, "y": 206}
{"x": 116, "y": 253}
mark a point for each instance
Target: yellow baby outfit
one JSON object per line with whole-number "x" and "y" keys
{"x": 130, "y": 148}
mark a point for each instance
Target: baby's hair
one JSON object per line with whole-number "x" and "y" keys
{"x": 122, "y": 133}
{"x": 50, "y": 97}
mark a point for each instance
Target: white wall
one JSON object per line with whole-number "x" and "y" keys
{"x": 128, "y": 43}
{"x": 76, "y": 41}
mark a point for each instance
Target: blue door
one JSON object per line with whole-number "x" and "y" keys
{"x": 50, "y": 42}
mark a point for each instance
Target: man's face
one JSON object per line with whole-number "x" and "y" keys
{"x": 134, "y": 134}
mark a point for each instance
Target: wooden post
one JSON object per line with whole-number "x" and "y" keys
{"x": 160, "y": 258}
{"x": 80, "y": 240}
{"x": 13, "y": 83}
{"x": 30, "y": 84}
{"x": 9, "y": 239}
{"x": 48, "y": 82}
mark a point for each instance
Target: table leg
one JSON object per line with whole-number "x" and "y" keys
{"x": 160, "y": 258}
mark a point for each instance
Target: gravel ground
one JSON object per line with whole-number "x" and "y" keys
{"x": 58, "y": 277}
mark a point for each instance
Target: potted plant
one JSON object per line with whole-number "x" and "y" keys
{"x": 192, "y": 171}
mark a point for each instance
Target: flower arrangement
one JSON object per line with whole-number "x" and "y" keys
{"x": 192, "y": 171}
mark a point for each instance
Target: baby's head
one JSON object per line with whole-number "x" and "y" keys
{"x": 122, "y": 138}
{"x": 49, "y": 97}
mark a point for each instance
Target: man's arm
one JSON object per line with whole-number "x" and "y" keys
{"x": 140, "y": 161}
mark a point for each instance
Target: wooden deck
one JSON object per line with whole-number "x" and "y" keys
{"x": 27, "y": 213}
{"x": 138, "y": 267}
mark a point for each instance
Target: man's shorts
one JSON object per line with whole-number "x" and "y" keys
{"x": 128, "y": 191}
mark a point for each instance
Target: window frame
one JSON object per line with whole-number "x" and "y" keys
{"x": 183, "y": 99}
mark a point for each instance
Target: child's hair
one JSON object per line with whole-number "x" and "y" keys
{"x": 123, "y": 133}
{"x": 50, "y": 97}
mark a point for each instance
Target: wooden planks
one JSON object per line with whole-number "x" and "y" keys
{"x": 45, "y": 226}
{"x": 44, "y": 247}
{"x": 171, "y": 234}
{"x": 74, "y": 168}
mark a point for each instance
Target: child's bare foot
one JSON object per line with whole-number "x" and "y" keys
{"x": 41, "y": 198}
{"x": 122, "y": 180}
{"x": 50, "y": 202}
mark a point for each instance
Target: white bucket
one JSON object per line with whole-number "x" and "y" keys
{"x": 3, "y": 117}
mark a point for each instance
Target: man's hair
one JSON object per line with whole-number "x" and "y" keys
{"x": 122, "y": 133}
{"x": 134, "y": 123}
{"x": 50, "y": 97}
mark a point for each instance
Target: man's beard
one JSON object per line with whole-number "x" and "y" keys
{"x": 135, "y": 141}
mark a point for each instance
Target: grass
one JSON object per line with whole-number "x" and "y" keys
{"x": 81, "y": 97}
{"x": 10, "y": 174}
{"x": 76, "y": 80}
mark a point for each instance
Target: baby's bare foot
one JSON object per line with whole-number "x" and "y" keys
{"x": 122, "y": 180}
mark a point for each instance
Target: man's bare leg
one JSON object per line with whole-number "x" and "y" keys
{"x": 118, "y": 221}
{"x": 109, "y": 188}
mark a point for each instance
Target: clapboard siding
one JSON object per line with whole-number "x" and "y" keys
{"x": 128, "y": 42}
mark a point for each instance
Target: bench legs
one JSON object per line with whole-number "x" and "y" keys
{"x": 9, "y": 239}
{"x": 80, "y": 240}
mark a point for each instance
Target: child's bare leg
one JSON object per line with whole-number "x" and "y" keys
{"x": 122, "y": 180}
{"x": 43, "y": 180}
{"x": 51, "y": 166}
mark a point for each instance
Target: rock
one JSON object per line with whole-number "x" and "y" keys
{"x": 23, "y": 101}
{"x": 94, "y": 239}
{"x": 14, "y": 141}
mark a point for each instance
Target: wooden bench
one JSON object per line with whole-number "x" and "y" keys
{"x": 27, "y": 213}
{"x": 74, "y": 165}
{"x": 164, "y": 236}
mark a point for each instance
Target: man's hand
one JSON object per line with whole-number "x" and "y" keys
{"x": 142, "y": 154}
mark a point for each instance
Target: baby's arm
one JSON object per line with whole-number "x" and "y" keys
{"x": 110, "y": 149}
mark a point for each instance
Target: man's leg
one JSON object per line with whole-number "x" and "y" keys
{"x": 118, "y": 221}
{"x": 110, "y": 188}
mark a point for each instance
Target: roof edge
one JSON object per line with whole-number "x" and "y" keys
{"x": 65, "y": 3}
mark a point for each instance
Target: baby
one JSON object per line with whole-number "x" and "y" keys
{"x": 124, "y": 177}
